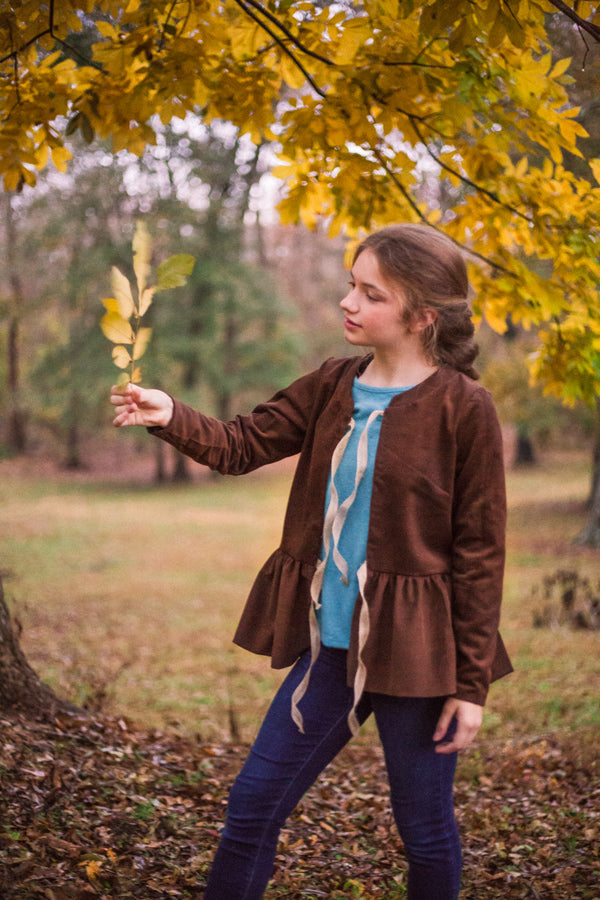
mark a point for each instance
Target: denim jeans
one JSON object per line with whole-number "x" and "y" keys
{"x": 283, "y": 764}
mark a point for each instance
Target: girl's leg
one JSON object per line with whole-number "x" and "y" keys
{"x": 421, "y": 784}
{"x": 281, "y": 766}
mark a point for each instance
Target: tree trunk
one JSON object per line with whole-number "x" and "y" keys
{"x": 525, "y": 455}
{"x": 17, "y": 438}
{"x": 160, "y": 475}
{"x": 589, "y": 536}
{"x": 20, "y": 688}
{"x": 181, "y": 474}
{"x": 72, "y": 436}
{"x": 595, "y": 459}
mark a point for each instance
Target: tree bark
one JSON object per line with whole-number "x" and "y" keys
{"x": 17, "y": 438}
{"x": 181, "y": 473}
{"x": 595, "y": 460}
{"x": 73, "y": 458}
{"x": 525, "y": 455}
{"x": 589, "y": 536}
{"x": 20, "y": 687}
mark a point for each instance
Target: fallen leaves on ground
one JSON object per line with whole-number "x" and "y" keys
{"x": 98, "y": 808}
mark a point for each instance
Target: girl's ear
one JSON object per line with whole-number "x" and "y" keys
{"x": 423, "y": 319}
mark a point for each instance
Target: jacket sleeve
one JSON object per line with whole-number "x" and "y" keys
{"x": 272, "y": 431}
{"x": 478, "y": 555}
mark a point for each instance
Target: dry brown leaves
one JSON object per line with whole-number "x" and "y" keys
{"x": 101, "y": 809}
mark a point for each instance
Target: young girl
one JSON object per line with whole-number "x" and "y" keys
{"x": 385, "y": 592}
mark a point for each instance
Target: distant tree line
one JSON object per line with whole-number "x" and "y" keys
{"x": 226, "y": 338}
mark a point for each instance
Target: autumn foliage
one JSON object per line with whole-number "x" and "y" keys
{"x": 356, "y": 98}
{"x": 125, "y": 310}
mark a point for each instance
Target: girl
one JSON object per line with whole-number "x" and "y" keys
{"x": 385, "y": 592}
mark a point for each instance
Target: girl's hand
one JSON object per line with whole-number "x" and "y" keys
{"x": 139, "y": 406}
{"x": 468, "y": 716}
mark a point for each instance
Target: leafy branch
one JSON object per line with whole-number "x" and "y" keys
{"x": 122, "y": 321}
{"x": 571, "y": 14}
{"x": 49, "y": 31}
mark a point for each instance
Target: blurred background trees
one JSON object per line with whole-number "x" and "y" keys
{"x": 227, "y": 340}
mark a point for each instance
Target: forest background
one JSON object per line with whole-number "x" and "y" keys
{"x": 126, "y": 567}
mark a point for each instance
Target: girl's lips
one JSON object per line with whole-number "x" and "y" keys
{"x": 348, "y": 323}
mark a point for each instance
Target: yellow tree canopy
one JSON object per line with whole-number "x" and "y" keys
{"x": 358, "y": 96}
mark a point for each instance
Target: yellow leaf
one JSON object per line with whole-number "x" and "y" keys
{"x": 111, "y": 304}
{"x": 92, "y": 868}
{"x": 291, "y": 73}
{"x": 12, "y": 179}
{"x": 60, "y": 158}
{"x": 521, "y": 167}
{"x": 122, "y": 290}
{"x": 142, "y": 252}
{"x": 116, "y": 328}
{"x": 107, "y": 30}
{"x": 41, "y": 157}
{"x": 141, "y": 342}
{"x": 145, "y": 300}
{"x": 121, "y": 356}
{"x": 560, "y": 67}
{"x": 355, "y": 33}
{"x": 246, "y": 39}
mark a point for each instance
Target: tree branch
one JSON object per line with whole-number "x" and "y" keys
{"x": 14, "y": 53}
{"x": 592, "y": 29}
{"x": 412, "y": 62}
{"x": 49, "y": 31}
{"x": 245, "y": 4}
{"x": 465, "y": 180}
{"x": 280, "y": 43}
{"x": 163, "y": 36}
{"x": 291, "y": 37}
{"x": 396, "y": 181}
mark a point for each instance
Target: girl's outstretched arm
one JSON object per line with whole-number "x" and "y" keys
{"x": 140, "y": 406}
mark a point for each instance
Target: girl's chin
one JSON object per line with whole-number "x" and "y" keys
{"x": 351, "y": 332}
{"x": 351, "y": 337}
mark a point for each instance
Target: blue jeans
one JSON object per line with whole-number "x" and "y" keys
{"x": 283, "y": 764}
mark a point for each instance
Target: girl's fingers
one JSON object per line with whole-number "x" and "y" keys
{"x": 468, "y": 720}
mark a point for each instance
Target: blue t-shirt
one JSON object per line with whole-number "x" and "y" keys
{"x": 348, "y": 543}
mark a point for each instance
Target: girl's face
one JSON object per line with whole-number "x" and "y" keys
{"x": 373, "y": 310}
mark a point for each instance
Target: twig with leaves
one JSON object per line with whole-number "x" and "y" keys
{"x": 122, "y": 321}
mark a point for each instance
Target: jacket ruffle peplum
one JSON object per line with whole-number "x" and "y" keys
{"x": 435, "y": 549}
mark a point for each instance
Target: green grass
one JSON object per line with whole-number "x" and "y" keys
{"x": 129, "y": 596}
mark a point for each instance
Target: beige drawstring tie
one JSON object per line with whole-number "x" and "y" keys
{"x": 332, "y": 529}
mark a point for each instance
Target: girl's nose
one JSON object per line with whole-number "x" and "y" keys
{"x": 348, "y": 302}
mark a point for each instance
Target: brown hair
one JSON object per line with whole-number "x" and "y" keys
{"x": 430, "y": 271}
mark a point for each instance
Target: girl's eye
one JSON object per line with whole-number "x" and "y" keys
{"x": 370, "y": 297}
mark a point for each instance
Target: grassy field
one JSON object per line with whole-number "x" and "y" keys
{"x": 129, "y": 594}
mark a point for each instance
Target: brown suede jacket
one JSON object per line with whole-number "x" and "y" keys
{"x": 435, "y": 552}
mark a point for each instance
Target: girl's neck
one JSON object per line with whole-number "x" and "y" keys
{"x": 393, "y": 371}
